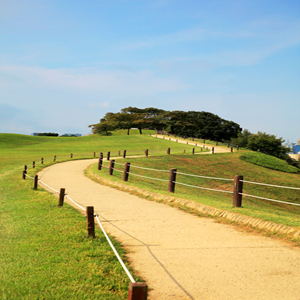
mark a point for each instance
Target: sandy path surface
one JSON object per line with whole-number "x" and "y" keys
{"x": 182, "y": 256}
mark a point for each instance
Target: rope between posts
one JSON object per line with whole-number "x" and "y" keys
{"x": 199, "y": 187}
{"x": 115, "y": 251}
{"x": 48, "y": 186}
{"x": 149, "y": 169}
{"x": 75, "y": 202}
{"x": 119, "y": 164}
{"x": 280, "y": 186}
{"x": 269, "y": 199}
{"x": 117, "y": 170}
{"x": 29, "y": 176}
{"x": 204, "y": 176}
{"x": 146, "y": 177}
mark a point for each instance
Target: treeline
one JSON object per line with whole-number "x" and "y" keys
{"x": 192, "y": 123}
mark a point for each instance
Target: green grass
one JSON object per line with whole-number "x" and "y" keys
{"x": 225, "y": 165}
{"x": 44, "y": 252}
{"x": 268, "y": 161}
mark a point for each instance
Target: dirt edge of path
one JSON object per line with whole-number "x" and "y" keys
{"x": 263, "y": 227}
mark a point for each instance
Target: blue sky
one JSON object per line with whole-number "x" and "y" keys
{"x": 64, "y": 64}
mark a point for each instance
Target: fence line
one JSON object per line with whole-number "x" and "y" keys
{"x": 149, "y": 169}
{"x": 199, "y": 187}
{"x": 204, "y": 176}
{"x": 270, "y": 199}
{"x": 108, "y": 239}
{"x": 279, "y": 186}
{"x": 147, "y": 177}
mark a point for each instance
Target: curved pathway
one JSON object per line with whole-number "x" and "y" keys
{"x": 182, "y": 256}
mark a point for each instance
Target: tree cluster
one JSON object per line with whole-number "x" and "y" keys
{"x": 192, "y": 123}
{"x": 265, "y": 143}
{"x": 48, "y": 134}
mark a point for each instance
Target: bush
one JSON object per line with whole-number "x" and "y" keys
{"x": 268, "y": 161}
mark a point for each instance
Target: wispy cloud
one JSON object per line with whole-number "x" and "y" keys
{"x": 140, "y": 82}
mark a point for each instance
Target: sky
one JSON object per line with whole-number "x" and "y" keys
{"x": 65, "y": 63}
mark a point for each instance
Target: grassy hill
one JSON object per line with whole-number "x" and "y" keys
{"x": 45, "y": 252}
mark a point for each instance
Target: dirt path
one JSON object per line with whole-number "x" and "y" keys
{"x": 182, "y": 256}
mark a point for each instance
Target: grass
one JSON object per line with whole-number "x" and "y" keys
{"x": 44, "y": 252}
{"x": 225, "y": 165}
{"x": 268, "y": 161}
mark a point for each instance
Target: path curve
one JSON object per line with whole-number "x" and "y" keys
{"x": 182, "y": 256}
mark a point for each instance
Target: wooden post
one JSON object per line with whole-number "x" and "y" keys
{"x": 169, "y": 151}
{"x": 24, "y": 174}
{"x": 25, "y": 168}
{"x": 35, "y": 183}
{"x": 212, "y": 150}
{"x": 94, "y": 154}
{"x": 90, "y": 221}
{"x": 231, "y": 149}
{"x": 124, "y": 154}
{"x": 33, "y": 164}
{"x": 126, "y": 171}
{"x": 193, "y": 151}
{"x": 187, "y": 143}
{"x": 111, "y": 167}
{"x": 203, "y": 141}
{"x": 71, "y": 156}
{"x": 61, "y": 197}
{"x": 137, "y": 291}
{"x": 100, "y": 161}
{"x": 146, "y": 152}
{"x": 216, "y": 143}
{"x": 176, "y": 141}
{"x": 228, "y": 145}
{"x": 238, "y": 188}
{"x": 237, "y": 147}
{"x": 108, "y": 155}
{"x": 184, "y": 151}
{"x": 42, "y": 160}
{"x": 54, "y": 159}
{"x": 201, "y": 149}
{"x": 193, "y": 139}
{"x": 172, "y": 179}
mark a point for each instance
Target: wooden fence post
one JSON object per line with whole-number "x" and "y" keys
{"x": 111, "y": 167}
{"x": 94, "y": 154}
{"x": 203, "y": 141}
{"x": 212, "y": 150}
{"x": 24, "y": 172}
{"x": 54, "y": 159}
{"x": 33, "y": 164}
{"x": 172, "y": 179}
{"x": 124, "y": 153}
{"x": 126, "y": 171}
{"x": 35, "y": 183}
{"x": 61, "y": 197}
{"x": 90, "y": 221}
{"x": 169, "y": 151}
{"x": 42, "y": 160}
{"x": 71, "y": 156}
{"x": 137, "y": 291}
{"x": 100, "y": 161}
{"x": 146, "y": 152}
{"x": 193, "y": 151}
{"x": 238, "y": 188}
{"x": 231, "y": 149}
{"x": 216, "y": 143}
{"x": 25, "y": 168}
{"x": 228, "y": 145}
{"x": 108, "y": 155}
{"x": 237, "y": 147}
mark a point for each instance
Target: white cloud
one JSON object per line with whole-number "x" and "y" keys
{"x": 99, "y": 105}
{"x": 116, "y": 83}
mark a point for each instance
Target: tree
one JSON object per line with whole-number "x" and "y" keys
{"x": 107, "y": 123}
{"x": 268, "y": 144}
{"x": 242, "y": 138}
